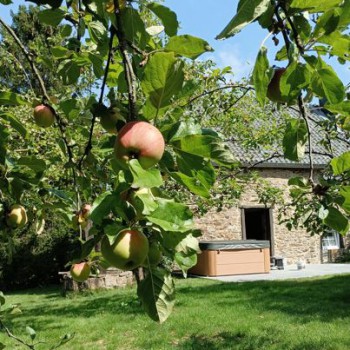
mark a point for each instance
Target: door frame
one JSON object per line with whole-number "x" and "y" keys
{"x": 272, "y": 232}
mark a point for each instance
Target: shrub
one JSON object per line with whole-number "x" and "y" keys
{"x": 37, "y": 259}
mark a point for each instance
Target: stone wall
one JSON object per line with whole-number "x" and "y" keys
{"x": 292, "y": 245}
{"x": 110, "y": 278}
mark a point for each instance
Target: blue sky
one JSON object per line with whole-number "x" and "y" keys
{"x": 205, "y": 19}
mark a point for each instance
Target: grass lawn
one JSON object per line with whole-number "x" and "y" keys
{"x": 297, "y": 314}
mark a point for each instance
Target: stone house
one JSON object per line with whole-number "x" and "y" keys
{"x": 249, "y": 219}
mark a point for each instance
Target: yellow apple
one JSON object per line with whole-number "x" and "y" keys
{"x": 16, "y": 217}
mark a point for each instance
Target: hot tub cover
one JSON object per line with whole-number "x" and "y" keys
{"x": 233, "y": 245}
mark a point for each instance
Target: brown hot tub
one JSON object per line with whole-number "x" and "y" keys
{"x": 232, "y": 258}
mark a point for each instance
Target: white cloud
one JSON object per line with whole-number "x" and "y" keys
{"x": 231, "y": 55}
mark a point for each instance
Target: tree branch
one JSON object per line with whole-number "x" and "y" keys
{"x": 100, "y": 101}
{"x": 128, "y": 69}
{"x": 309, "y": 137}
{"x": 10, "y": 335}
{"x": 205, "y": 93}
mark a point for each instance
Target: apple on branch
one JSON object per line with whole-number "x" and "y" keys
{"x": 139, "y": 140}
{"x": 129, "y": 250}
{"x": 43, "y": 116}
{"x": 273, "y": 89}
{"x": 80, "y": 272}
{"x": 16, "y": 217}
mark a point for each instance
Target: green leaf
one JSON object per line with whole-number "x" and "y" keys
{"x": 69, "y": 71}
{"x": 51, "y": 17}
{"x": 11, "y": 99}
{"x": 97, "y": 32}
{"x": 314, "y": 5}
{"x": 101, "y": 207}
{"x": 206, "y": 146}
{"x": 144, "y": 201}
{"x": 294, "y": 139}
{"x": 261, "y": 75}
{"x": 168, "y": 18}
{"x": 341, "y": 164}
{"x": 31, "y": 332}
{"x": 163, "y": 77}
{"x": 134, "y": 27}
{"x": 295, "y": 78}
{"x": 2, "y": 299}
{"x": 327, "y": 23}
{"x": 59, "y": 51}
{"x": 87, "y": 247}
{"x": 247, "y": 12}
{"x": 298, "y": 181}
{"x": 144, "y": 178}
{"x": 157, "y": 294}
{"x": 186, "y": 253}
{"x": 196, "y": 173}
{"x": 188, "y": 46}
{"x": 171, "y": 216}
{"x": 38, "y": 165}
{"x": 2, "y": 345}
{"x": 337, "y": 44}
{"x": 337, "y": 221}
{"x": 15, "y": 123}
{"x": 6, "y": 2}
{"x": 325, "y": 82}
{"x": 345, "y": 193}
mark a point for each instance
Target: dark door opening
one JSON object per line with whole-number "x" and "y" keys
{"x": 257, "y": 224}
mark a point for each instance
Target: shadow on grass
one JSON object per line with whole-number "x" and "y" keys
{"x": 244, "y": 341}
{"x": 325, "y": 298}
{"x": 52, "y": 306}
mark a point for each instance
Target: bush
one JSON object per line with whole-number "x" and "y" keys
{"x": 37, "y": 259}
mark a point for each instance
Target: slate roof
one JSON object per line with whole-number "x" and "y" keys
{"x": 273, "y": 158}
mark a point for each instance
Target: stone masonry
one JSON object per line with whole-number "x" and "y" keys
{"x": 294, "y": 246}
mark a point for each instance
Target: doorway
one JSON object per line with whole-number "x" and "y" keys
{"x": 257, "y": 224}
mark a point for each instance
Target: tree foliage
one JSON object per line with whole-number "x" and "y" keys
{"x": 127, "y": 59}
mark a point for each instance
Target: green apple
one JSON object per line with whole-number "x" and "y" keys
{"x": 140, "y": 140}
{"x": 43, "y": 116}
{"x": 80, "y": 272}
{"x": 129, "y": 250}
{"x": 16, "y": 217}
{"x": 273, "y": 89}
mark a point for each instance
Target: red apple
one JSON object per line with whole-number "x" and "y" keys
{"x": 273, "y": 89}
{"x": 43, "y": 116}
{"x": 129, "y": 250}
{"x": 80, "y": 272}
{"x": 139, "y": 140}
{"x": 16, "y": 217}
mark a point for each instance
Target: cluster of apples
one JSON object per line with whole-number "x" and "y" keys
{"x": 131, "y": 248}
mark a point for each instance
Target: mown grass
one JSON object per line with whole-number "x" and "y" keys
{"x": 297, "y": 314}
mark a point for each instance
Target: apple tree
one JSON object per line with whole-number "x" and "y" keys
{"x": 114, "y": 131}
